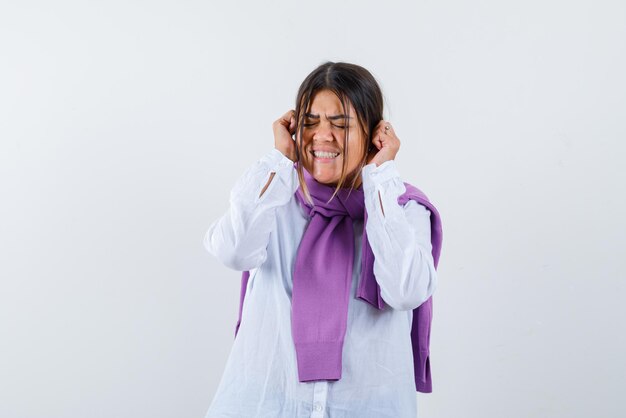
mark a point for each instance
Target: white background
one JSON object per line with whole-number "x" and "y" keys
{"x": 124, "y": 125}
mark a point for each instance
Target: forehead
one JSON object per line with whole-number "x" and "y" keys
{"x": 326, "y": 101}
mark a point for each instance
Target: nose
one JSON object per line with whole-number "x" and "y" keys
{"x": 323, "y": 133}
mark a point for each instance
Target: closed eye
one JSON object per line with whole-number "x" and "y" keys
{"x": 311, "y": 124}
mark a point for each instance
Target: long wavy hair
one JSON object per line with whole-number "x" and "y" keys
{"x": 352, "y": 84}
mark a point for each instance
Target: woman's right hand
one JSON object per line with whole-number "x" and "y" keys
{"x": 284, "y": 127}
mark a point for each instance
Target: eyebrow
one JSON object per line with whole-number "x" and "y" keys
{"x": 312, "y": 116}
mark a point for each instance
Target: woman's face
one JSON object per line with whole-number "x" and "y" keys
{"x": 325, "y": 129}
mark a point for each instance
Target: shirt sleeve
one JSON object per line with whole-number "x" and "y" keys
{"x": 239, "y": 238}
{"x": 399, "y": 237}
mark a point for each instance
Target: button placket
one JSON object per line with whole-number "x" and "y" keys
{"x": 320, "y": 392}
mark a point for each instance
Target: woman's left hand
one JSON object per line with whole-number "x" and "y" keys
{"x": 386, "y": 144}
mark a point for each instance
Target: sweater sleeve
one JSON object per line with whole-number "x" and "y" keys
{"x": 239, "y": 237}
{"x": 399, "y": 237}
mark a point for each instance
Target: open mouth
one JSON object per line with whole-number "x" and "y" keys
{"x": 324, "y": 155}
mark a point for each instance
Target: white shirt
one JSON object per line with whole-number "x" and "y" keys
{"x": 262, "y": 234}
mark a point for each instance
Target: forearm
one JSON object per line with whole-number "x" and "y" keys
{"x": 239, "y": 238}
{"x": 400, "y": 240}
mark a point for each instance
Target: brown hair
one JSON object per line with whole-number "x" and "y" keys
{"x": 351, "y": 83}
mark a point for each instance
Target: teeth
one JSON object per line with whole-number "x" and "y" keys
{"x": 324, "y": 154}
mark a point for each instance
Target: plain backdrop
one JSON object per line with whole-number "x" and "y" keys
{"x": 125, "y": 124}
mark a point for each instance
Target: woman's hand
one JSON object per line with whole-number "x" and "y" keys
{"x": 284, "y": 128}
{"x": 385, "y": 144}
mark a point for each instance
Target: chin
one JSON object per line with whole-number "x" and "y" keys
{"x": 326, "y": 180}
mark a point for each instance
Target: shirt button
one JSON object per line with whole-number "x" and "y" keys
{"x": 318, "y": 407}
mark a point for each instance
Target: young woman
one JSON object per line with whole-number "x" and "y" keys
{"x": 339, "y": 260}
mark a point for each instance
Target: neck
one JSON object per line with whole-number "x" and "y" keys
{"x": 347, "y": 183}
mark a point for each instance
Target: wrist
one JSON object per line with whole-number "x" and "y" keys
{"x": 290, "y": 155}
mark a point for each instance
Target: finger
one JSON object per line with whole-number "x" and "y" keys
{"x": 383, "y": 123}
{"x": 378, "y": 141}
{"x": 375, "y": 132}
{"x": 374, "y": 141}
{"x": 287, "y": 116}
{"x": 380, "y": 127}
{"x": 292, "y": 126}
